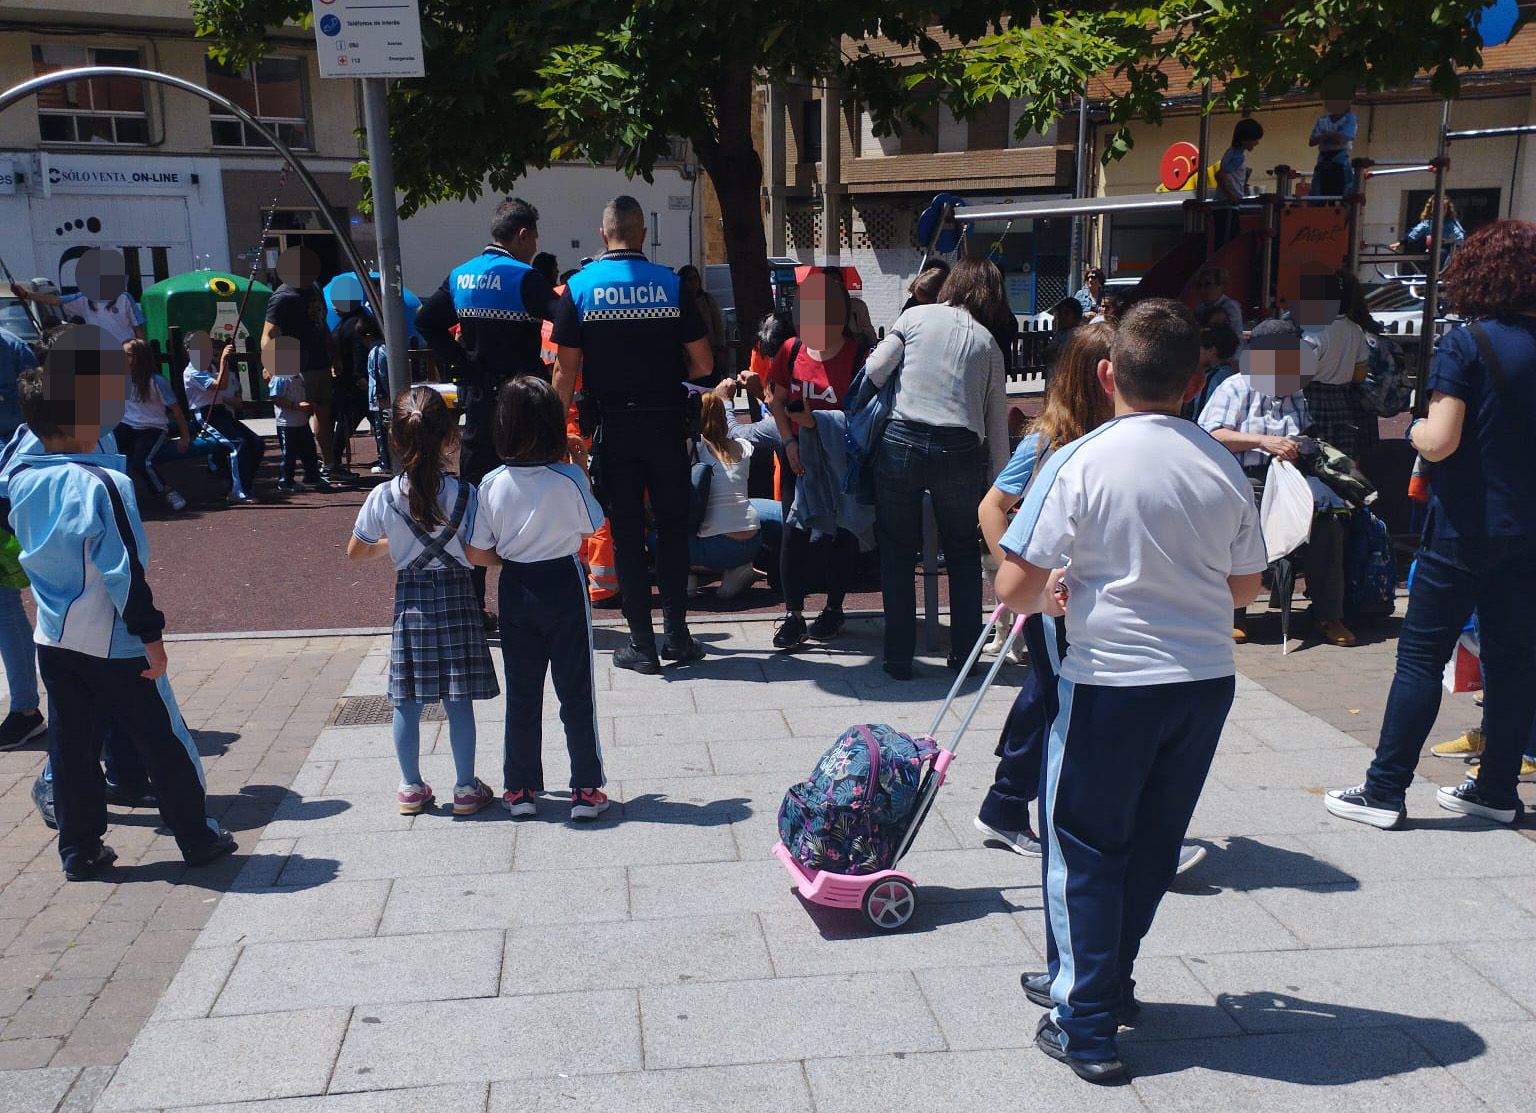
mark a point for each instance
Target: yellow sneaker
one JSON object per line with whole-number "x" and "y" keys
{"x": 1468, "y": 745}
{"x": 1527, "y": 768}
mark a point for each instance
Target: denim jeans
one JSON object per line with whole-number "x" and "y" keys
{"x": 1496, "y": 577}
{"x": 17, "y": 653}
{"x": 719, "y": 553}
{"x": 949, "y": 465}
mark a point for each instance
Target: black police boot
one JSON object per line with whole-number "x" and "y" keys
{"x": 637, "y": 658}
{"x": 680, "y": 646}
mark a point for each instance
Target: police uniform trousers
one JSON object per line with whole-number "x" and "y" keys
{"x": 477, "y": 453}
{"x": 546, "y": 625}
{"x": 1021, "y": 747}
{"x": 643, "y": 453}
{"x": 86, "y": 693}
{"x": 1124, "y": 768}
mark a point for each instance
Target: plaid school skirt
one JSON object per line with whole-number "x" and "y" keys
{"x": 438, "y": 650}
{"x": 1339, "y": 417}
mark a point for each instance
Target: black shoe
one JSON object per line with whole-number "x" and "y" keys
{"x": 1037, "y": 987}
{"x": 1468, "y": 799}
{"x": 84, "y": 870}
{"x": 42, "y": 800}
{"x": 131, "y": 797}
{"x": 955, "y": 664}
{"x": 791, "y": 632}
{"x": 221, "y": 846}
{"x": 1102, "y": 1072}
{"x": 898, "y": 670}
{"x": 1357, "y": 804}
{"x": 491, "y": 623}
{"x": 828, "y": 624}
{"x": 20, "y": 727}
{"x": 635, "y": 659}
{"x": 682, "y": 648}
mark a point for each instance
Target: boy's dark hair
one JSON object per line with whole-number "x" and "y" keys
{"x": 511, "y": 217}
{"x": 1219, "y": 335}
{"x": 547, "y": 265}
{"x": 772, "y": 331}
{"x": 530, "y": 423}
{"x": 48, "y": 393}
{"x": 1156, "y": 350}
{"x": 1247, "y": 131}
{"x": 1274, "y": 335}
{"x": 368, "y": 328}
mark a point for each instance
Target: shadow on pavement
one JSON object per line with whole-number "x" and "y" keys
{"x": 938, "y": 906}
{"x": 1246, "y": 864}
{"x": 1341, "y": 1051}
{"x": 654, "y": 807}
{"x": 213, "y": 743}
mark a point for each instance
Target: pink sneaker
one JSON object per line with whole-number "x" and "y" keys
{"x": 520, "y": 802}
{"x": 414, "y": 798}
{"x": 469, "y": 799}
{"x": 588, "y": 803}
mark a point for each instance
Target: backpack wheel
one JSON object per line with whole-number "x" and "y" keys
{"x": 890, "y": 904}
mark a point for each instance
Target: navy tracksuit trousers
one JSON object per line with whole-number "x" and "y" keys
{"x": 84, "y": 694}
{"x": 1022, "y": 744}
{"x": 1123, "y": 771}
{"x": 546, "y": 625}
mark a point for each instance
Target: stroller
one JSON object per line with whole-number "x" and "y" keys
{"x": 888, "y": 898}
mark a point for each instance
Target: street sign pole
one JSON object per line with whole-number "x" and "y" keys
{"x": 386, "y": 228}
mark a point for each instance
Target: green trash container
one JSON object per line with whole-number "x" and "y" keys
{"x": 207, "y": 301}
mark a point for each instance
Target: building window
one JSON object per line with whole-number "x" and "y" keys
{"x": 810, "y": 130}
{"x": 272, "y": 90}
{"x": 104, "y": 110}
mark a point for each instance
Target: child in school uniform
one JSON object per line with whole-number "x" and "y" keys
{"x": 295, "y": 439}
{"x": 98, "y": 636}
{"x": 1146, "y": 532}
{"x": 213, "y": 393}
{"x": 539, "y": 509}
{"x": 378, "y": 393}
{"x": 431, "y": 525}
{"x": 1334, "y": 137}
{"x": 150, "y": 404}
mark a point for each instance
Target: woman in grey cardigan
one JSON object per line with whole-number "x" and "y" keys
{"x": 947, "y": 436}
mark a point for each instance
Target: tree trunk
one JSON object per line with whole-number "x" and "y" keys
{"x": 730, "y": 157}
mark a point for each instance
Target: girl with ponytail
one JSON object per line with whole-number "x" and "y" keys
{"x": 429, "y": 523}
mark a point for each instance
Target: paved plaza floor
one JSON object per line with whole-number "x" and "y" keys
{"x": 355, "y": 960}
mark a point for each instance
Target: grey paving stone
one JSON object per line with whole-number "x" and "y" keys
{"x": 790, "y": 757}
{"x": 437, "y": 1099}
{"x": 1493, "y": 1061}
{"x": 611, "y": 841}
{"x": 1372, "y": 1071}
{"x": 959, "y": 1080}
{"x": 196, "y": 986}
{"x": 1218, "y": 922}
{"x": 709, "y": 888}
{"x": 299, "y": 816}
{"x": 1245, "y": 863}
{"x": 350, "y": 743}
{"x": 380, "y": 776}
{"x": 725, "y": 727}
{"x": 752, "y": 1088}
{"x": 1291, "y": 769}
{"x": 1426, "y": 853}
{"x": 1360, "y": 987}
{"x": 1224, "y": 811}
{"x": 339, "y": 910}
{"x": 491, "y": 1039}
{"x": 436, "y": 966}
{"x": 1518, "y": 889}
{"x": 674, "y": 760}
{"x": 505, "y": 900}
{"x": 548, "y": 958}
{"x": 1512, "y": 969}
{"x": 1377, "y": 913}
{"x": 811, "y": 940}
{"x": 1257, "y": 703}
{"x": 188, "y": 1062}
{"x": 973, "y": 874}
{"x": 87, "y": 1090}
{"x": 1296, "y": 732}
{"x": 788, "y": 1018}
{"x": 36, "y": 1091}
{"x": 463, "y": 848}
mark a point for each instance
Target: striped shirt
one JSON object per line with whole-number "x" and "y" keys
{"x": 1237, "y": 405}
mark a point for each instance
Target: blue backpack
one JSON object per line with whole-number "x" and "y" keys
{"x": 868, "y": 408}
{"x": 1370, "y": 572}
{"x": 850, "y": 815}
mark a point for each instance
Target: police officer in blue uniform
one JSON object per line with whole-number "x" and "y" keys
{"x": 497, "y": 299}
{"x": 624, "y": 325}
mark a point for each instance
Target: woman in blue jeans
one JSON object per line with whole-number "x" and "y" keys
{"x": 948, "y": 432}
{"x": 1478, "y": 551}
{"x": 730, "y": 539}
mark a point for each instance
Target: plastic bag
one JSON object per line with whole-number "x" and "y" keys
{"x": 1464, "y": 671}
{"x": 1286, "y": 512}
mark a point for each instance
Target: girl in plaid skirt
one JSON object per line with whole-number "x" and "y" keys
{"x": 430, "y": 525}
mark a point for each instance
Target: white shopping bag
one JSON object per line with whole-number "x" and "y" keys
{"x": 1286, "y": 512}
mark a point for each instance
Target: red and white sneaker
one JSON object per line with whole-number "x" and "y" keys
{"x": 414, "y": 798}
{"x": 520, "y": 802}
{"x": 588, "y": 803}
{"x": 469, "y": 799}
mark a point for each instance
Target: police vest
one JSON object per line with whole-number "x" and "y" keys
{"x": 490, "y": 287}
{"x": 625, "y": 286}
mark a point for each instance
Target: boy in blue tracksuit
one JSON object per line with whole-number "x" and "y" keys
{"x": 1147, "y": 528}
{"x": 98, "y": 633}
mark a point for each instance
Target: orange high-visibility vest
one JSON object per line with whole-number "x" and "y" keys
{"x": 597, "y": 550}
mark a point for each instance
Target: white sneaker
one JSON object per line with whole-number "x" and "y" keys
{"x": 174, "y": 500}
{"x": 693, "y": 585}
{"x": 1020, "y": 842}
{"x": 736, "y": 580}
{"x": 378, "y": 469}
{"x": 1190, "y": 855}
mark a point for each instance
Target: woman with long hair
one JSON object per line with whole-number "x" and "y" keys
{"x": 948, "y": 431}
{"x": 142, "y": 432}
{"x": 1478, "y": 549}
{"x": 730, "y": 539}
{"x": 1338, "y": 414}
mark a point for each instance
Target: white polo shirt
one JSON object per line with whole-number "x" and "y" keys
{"x": 116, "y": 318}
{"x": 539, "y": 512}
{"x": 1149, "y": 515}
{"x": 380, "y": 520}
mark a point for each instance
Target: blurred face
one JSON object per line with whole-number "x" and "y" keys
{"x": 821, "y": 312}
{"x": 347, "y": 294}
{"x": 86, "y": 381}
{"x": 1211, "y": 289}
{"x": 691, "y": 282}
{"x": 1281, "y": 365}
{"x": 1319, "y": 304}
{"x": 1336, "y": 106}
{"x": 100, "y": 274}
{"x": 298, "y": 267}
{"x": 281, "y": 355}
{"x": 200, "y": 349}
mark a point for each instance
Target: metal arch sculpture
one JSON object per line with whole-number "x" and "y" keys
{"x": 17, "y": 93}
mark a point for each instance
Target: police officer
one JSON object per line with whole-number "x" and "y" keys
{"x": 624, "y": 325}
{"x": 497, "y": 299}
